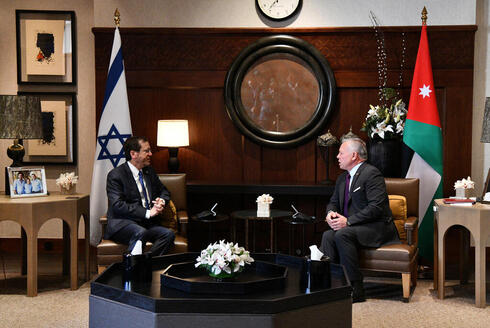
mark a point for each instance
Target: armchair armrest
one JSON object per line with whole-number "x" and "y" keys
{"x": 410, "y": 227}
{"x": 182, "y": 219}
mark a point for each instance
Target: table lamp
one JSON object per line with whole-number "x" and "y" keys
{"x": 20, "y": 118}
{"x": 173, "y": 134}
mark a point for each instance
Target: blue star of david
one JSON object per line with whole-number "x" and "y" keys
{"x": 104, "y": 141}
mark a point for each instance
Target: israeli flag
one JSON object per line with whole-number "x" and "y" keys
{"x": 114, "y": 129}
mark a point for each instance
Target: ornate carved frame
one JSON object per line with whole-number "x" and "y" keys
{"x": 280, "y": 47}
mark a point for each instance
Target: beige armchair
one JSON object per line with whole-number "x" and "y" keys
{"x": 404, "y": 203}
{"x": 109, "y": 252}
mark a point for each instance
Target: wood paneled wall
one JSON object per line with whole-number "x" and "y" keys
{"x": 179, "y": 74}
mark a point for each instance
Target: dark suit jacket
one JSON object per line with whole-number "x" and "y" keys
{"x": 125, "y": 204}
{"x": 369, "y": 212}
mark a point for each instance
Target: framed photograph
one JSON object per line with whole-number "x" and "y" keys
{"x": 59, "y": 143}
{"x": 27, "y": 182}
{"x": 46, "y": 47}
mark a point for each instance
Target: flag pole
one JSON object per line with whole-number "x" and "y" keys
{"x": 117, "y": 17}
{"x": 424, "y": 16}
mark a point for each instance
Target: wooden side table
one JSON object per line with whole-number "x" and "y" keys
{"x": 476, "y": 219}
{"x": 292, "y": 223}
{"x": 32, "y": 213}
{"x": 210, "y": 224}
{"x": 248, "y": 215}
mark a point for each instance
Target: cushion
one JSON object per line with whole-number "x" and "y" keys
{"x": 398, "y": 206}
{"x": 168, "y": 218}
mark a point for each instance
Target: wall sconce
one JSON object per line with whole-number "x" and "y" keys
{"x": 20, "y": 118}
{"x": 173, "y": 134}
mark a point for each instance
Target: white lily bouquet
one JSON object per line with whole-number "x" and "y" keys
{"x": 462, "y": 187}
{"x": 263, "y": 205}
{"x": 223, "y": 260}
{"x": 386, "y": 121}
{"x": 67, "y": 182}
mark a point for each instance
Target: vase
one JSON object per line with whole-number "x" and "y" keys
{"x": 68, "y": 191}
{"x": 263, "y": 210}
{"x": 385, "y": 155}
{"x": 222, "y": 276}
{"x": 462, "y": 193}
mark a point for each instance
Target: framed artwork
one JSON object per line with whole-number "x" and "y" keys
{"x": 46, "y": 47}
{"x": 27, "y": 181}
{"x": 280, "y": 91}
{"x": 59, "y": 143}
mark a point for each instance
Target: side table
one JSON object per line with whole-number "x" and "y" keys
{"x": 248, "y": 215}
{"x": 211, "y": 224}
{"x": 292, "y": 223}
{"x": 32, "y": 213}
{"x": 476, "y": 219}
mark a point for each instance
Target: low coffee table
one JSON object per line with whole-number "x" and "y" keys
{"x": 114, "y": 302}
{"x": 248, "y": 215}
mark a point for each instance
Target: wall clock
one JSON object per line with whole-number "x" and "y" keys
{"x": 278, "y": 9}
{"x": 280, "y": 91}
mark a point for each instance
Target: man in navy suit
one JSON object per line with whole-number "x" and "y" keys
{"x": 136, "y": 197}
{"x": 358, "y": 213}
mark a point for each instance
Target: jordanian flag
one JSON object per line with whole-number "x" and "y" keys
{"x": 423, "y": 135}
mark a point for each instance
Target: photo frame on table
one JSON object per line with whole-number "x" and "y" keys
{"x": 46, "y": 47}
{"x": 59, "y": 143}
{"x": 27, "y": 181}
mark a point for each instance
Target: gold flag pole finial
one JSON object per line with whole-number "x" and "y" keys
{"x": 117, "y": 17}
{"x": 424, "y": 16}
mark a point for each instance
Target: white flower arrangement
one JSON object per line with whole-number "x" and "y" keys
{"x": 464, "y": 184}
{"x": 223, "y": 258}
{"x": 265, "y": 199}
{"x": 386, "y": 122}
{"x": 67, "y": 180}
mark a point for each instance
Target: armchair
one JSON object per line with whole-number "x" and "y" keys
{"x": 404, "y": 203}
{"x": 109, "y": 252}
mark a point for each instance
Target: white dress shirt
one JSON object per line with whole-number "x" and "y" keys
{"x": 136, "y": 177}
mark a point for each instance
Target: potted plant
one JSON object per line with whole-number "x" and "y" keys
{"x": 223, "y": 260}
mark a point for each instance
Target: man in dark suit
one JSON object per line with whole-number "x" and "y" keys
{"x": 136, "y": 197}
{"x": 358, "y": 214}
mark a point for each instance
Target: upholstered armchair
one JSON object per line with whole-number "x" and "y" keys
{"x": 404, "y": 203}
{"x": 109, "y": 252}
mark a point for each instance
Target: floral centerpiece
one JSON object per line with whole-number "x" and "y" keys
{"x": 386, "y": 121}
{"x": 263, "y": 205}
{"x": 462, "y": 187}
{"x": 67, "y": 182}
{"x": 223, "y": 260}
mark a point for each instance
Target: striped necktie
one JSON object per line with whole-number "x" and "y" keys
{"x": 140, "y": 176}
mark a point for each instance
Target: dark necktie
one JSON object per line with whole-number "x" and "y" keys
{"x": 346, "y": 194}
{"x": 140, "y": 176}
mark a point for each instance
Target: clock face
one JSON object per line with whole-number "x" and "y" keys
{"x": 278, "y": 9}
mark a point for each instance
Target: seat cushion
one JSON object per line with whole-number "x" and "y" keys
{"x": 394, "y": 258}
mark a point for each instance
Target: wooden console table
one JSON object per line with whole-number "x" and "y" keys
{"x": 32, "y": 213}
{"x": 476, "y": 219}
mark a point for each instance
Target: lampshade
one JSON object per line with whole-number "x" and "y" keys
{"x": 173, "y": 133}
{"x": 20, "y": 117}
{"x": 485, "y": 131}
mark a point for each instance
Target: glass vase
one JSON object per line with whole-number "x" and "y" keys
{"x": 68, "y": 191}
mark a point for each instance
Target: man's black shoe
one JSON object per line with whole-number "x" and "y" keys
{"x": 358, "y": 292}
